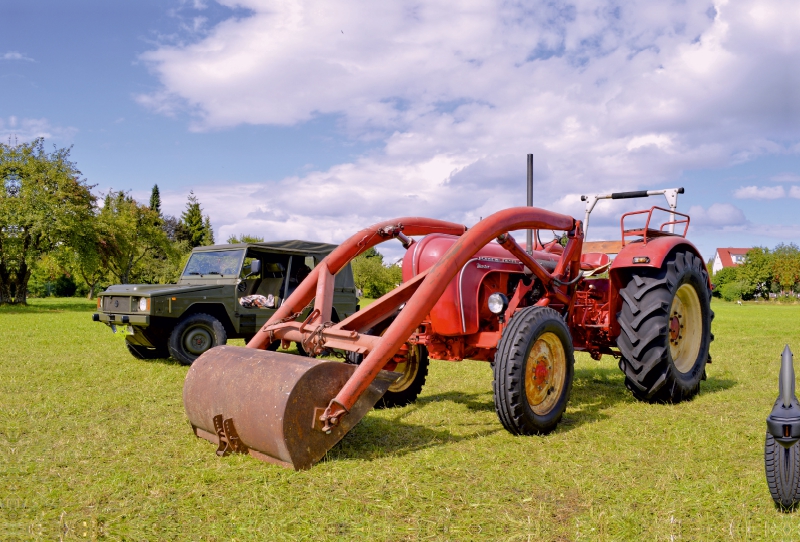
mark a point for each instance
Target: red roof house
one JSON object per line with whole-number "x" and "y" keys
{"x": 728, "y": 257}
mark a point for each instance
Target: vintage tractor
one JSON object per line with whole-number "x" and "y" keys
{"x": 465, "y": 296}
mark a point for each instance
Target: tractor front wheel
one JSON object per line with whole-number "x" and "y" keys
{"x": 665, "y": 330}
{"x": 533, "y": 371}
{"x": 413, "y": 371}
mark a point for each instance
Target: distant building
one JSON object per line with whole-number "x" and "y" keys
{"x": 728, "y": 257}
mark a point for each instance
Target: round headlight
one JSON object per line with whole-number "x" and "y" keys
{"x": 498, "y": 303}
{"x": 143, "y": 304}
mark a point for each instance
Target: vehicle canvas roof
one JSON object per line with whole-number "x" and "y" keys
{"x": 282, "y": 247}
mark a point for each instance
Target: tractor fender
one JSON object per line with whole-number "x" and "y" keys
{"x": 656, "y": 250}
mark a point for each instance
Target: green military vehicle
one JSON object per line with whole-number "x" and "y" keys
{"x": 225, "y": 292}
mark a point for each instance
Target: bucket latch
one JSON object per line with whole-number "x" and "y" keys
{"x": 229, "y": 441}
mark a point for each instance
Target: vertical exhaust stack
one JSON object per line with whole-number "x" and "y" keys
{"x": 529, "y": 237}
{"x": 783, "y": 423}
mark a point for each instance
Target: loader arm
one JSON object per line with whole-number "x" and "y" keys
{"x": 430, "y": 290}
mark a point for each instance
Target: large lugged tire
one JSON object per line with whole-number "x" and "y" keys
{"x": 194, "y": 335}
{"x": 142, "y": 352}
{"x": 783, "y": 472}
{"x": 533, "y": 371}
{"x": 665, "y": 330}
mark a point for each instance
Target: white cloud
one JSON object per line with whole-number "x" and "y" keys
{"x": 607, "y": 96}
{"x": 14, "y": 129}
{"x": 16, "y": 55}
{"x": 785, "y": 178}
{"x": 759, "y": 192}
{"x": 794, "y": 192}
{"x": 717, "y": 216}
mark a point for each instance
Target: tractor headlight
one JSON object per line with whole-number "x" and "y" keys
{"x": 498, "y": 303}
{"x": 143, "y": 304}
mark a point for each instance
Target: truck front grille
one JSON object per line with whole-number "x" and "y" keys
{"x": 117, "y": 304}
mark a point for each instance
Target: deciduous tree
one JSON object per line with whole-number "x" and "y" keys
{"x": 44, "y": 205}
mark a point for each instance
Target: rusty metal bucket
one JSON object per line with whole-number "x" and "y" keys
{"x": 268, "y": 404}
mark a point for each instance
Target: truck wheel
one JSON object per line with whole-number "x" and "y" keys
{"x": 783, "y": 472}
{"x": 143, "y": 352}
{"x": 533, "y": 370}
{"x": 194, "y": 335}
{"x": 665, "y": 331}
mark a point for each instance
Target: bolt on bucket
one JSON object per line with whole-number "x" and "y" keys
{"x": 268, "y": 404}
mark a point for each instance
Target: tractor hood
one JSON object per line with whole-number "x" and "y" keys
{"x": 158, "y": 289}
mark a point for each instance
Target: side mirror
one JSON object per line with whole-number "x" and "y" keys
{"x": 255, "y": 267}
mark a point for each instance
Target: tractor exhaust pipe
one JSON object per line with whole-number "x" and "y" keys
{"x": 783, "y": 423}
{"x": 529, "y": 238}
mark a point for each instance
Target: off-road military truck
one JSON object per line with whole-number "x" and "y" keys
{"x": 204, "y": 309}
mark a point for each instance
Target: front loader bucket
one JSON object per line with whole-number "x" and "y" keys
{"x": 268, "y": 404}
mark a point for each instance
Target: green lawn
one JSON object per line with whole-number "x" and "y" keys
{"x": 96, "y": 445}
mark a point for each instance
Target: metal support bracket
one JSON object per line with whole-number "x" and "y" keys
{"x": 229, "y": 441}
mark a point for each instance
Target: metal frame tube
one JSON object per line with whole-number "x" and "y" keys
{"x": 431, "y": 289}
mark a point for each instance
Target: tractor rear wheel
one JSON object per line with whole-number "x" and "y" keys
{"x": 665, "y": 330}
{"x": 533, "y": 371}
{"x": 783, "y": 472}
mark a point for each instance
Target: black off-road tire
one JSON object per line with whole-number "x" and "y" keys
{"x": 142, "y": 352}
{"x": 665, "y": 330}
{"x": 407, "y": 388}
{"x": 782, "y": 466}
{"x": 194, "y": 335}
{"x": 533, "y": 372}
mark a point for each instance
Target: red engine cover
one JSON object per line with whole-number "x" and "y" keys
{"x": 457, "y": 311}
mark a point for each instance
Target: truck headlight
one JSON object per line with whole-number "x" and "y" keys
{"x": 143, "y": 303}
{"x": 498, "y": 303}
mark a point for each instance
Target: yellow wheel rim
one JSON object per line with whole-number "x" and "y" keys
{"x": 545, "y": 373}
{"x": 408, "y": 369}
{"x": 685, "y": 328}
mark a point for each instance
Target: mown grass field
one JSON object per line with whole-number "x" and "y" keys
{"x": 96, "y": 446}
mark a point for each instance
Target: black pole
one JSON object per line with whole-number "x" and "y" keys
{"x": 530, "y": 201}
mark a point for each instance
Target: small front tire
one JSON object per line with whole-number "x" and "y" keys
{"x": 533, "y": 372}
{"x": 194, "y": 335}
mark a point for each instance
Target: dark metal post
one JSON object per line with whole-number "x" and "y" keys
{"x": 529, "y": 238}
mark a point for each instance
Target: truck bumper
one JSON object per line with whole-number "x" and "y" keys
{"x": 142, "y": 320}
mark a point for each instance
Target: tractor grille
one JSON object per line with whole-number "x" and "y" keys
{"x": 117, "y": 304}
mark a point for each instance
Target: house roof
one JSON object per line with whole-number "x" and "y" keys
{"x": 725, "y": 255}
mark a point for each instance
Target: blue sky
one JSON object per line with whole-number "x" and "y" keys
{"x": 302, "y": 119}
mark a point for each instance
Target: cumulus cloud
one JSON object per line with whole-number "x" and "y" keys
{"x": 16, "y": 55}
{"x": 606, "y": 95}
{"x": 759, "y": 192}
{"x": 718, "y": 215}
{"x": 14, "y": 129}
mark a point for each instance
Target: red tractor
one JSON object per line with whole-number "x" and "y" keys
{"x": 464, "y": 296}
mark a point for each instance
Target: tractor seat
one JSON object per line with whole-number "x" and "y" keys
{"x": 593, "y": 260}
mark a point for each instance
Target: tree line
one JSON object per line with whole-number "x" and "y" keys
{"x": 58, "y": 238}
{"x": 54, "y": 230}
{"x": 764, "y": 271}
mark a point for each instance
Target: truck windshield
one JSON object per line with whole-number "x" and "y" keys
{"x": 224, "y": 263}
